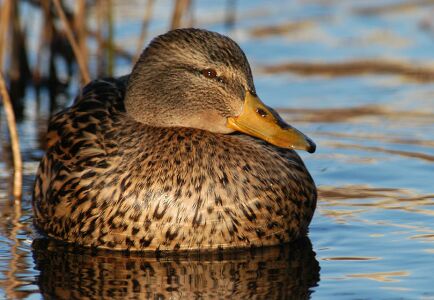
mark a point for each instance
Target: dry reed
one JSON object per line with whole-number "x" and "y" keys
{"x": 70, "y": 36}
{"x": 181, "y": 6}
{"x": 5, "y": 14}
{"x": 8, "y": 108}
{"x": 145, "y": 24}
{"x": 80, "y": 27}
{"x": 16, "y": 155}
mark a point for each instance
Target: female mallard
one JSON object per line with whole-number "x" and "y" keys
{"x": 179, "y": 155}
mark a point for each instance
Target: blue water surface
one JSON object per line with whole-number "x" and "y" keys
{"x": 372, "y": 236}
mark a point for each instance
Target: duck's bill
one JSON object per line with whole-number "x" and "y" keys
{"x": 260, "y": 121}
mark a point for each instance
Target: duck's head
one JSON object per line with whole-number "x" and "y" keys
{"x": 201, "y": 79}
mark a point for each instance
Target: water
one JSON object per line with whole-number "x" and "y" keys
{"x": 372, "y": 236}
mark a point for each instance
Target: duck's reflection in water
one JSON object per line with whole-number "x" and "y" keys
{"x": 285, "y": 272}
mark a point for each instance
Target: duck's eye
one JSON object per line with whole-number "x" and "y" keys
{"x": 209, "y": 73}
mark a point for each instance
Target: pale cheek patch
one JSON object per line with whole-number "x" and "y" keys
{"x": 211, "y": 121}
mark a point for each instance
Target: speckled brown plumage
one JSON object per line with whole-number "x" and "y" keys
{"x": 108, "y": 180}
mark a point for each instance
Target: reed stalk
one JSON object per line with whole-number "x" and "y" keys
{"x": 8, "y": 108}
{"x": 80, "y": 27}
{"x": 179, "y": 10}
{"x": 190, "y": 14}
{"x": 70, "y": 36}
{"x": 16, "y": 155}
{"x": 5, "y": 16}
{"x": 145, "y": 25}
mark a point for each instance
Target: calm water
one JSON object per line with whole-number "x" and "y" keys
{"x": 372, "y": 236}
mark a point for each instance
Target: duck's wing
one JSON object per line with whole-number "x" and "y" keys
{"x": 77, "y": 148}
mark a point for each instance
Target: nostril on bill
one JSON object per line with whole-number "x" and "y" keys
{"x": 261, "y": 112}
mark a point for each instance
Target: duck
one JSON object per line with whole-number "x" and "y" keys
{"x": 181, "y": 154}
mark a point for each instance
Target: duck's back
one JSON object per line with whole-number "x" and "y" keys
{"x": 108, "y": 181}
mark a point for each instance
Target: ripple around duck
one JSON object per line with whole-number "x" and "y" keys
{"x": 356, "y": 114}
{"x": 353, "y": 200}
{"x": 393, "y": 276}
{"x": 410, "y": 71}
{"x": 349, "y": 258}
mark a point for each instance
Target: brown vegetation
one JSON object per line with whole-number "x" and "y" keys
{"x": 67, "y": 39}
{"x": 355, "y": 67}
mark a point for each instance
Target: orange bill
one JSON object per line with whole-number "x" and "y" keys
{"x": 258, "y": 120}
